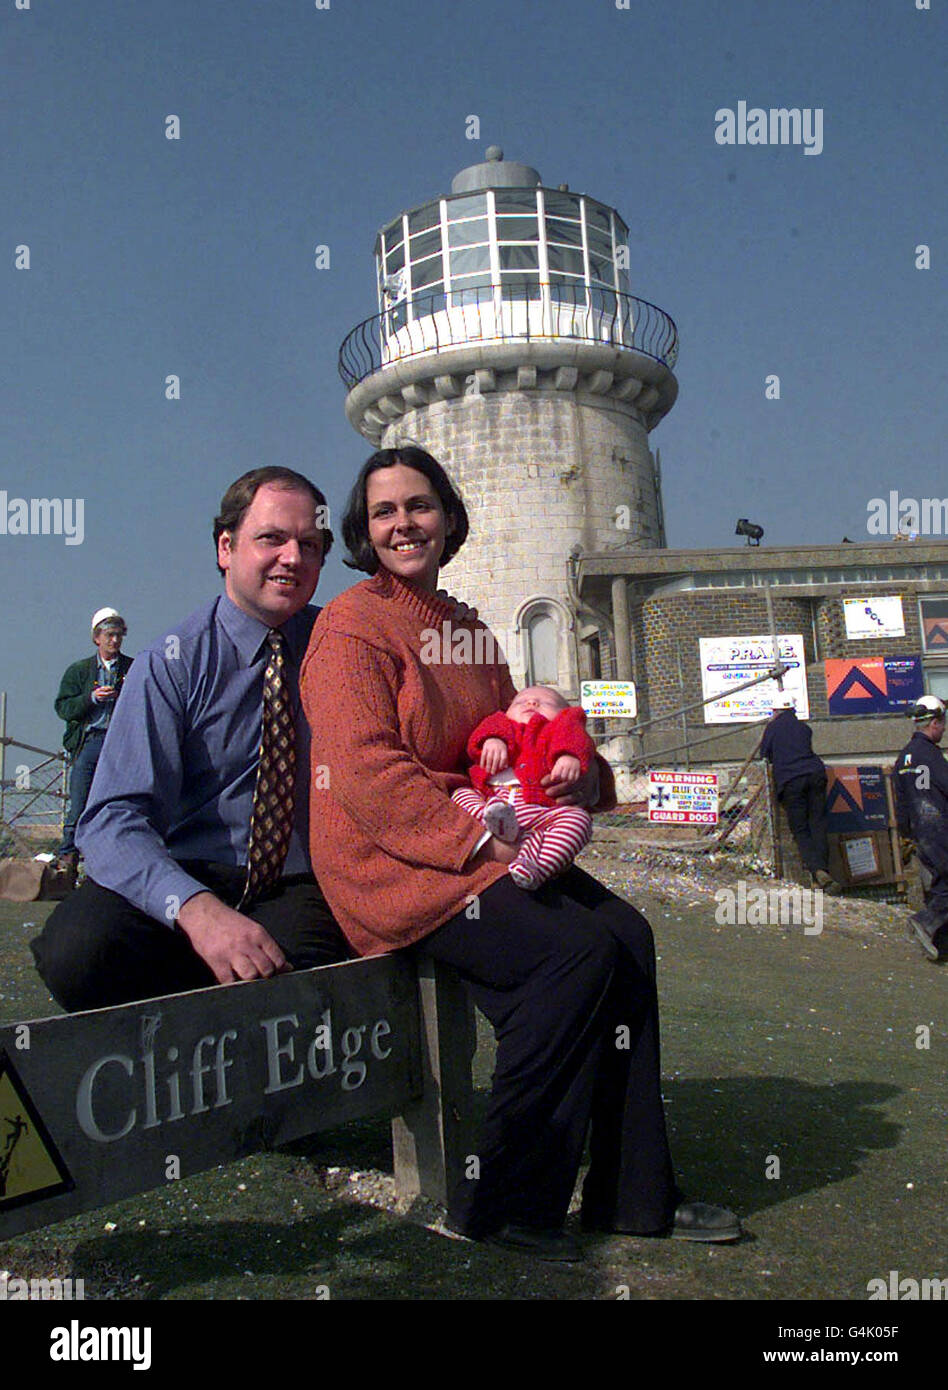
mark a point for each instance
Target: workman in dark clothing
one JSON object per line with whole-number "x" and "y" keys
{"x": 800, "y": 779}
{"x": 921, "y": 798}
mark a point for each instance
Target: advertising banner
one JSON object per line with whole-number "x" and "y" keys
{"x": 873, "y": 684}
{"x": 873, "y": 617}
{"x": 855, "y": 799}
{"x": 729, "y": 661}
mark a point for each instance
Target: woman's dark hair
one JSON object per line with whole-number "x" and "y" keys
{"x": 355, "y": 518}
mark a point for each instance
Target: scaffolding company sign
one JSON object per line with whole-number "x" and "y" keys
{"x": 683, "y": 798}
{"x": 608, "y": 699}
{"x": 730, "y": 661}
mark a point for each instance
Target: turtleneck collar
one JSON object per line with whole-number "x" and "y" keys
{"x": 410, "y": 597}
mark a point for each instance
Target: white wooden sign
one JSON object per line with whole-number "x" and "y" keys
{"x": 873, "y": 617}
{"x": 608, "y": 699}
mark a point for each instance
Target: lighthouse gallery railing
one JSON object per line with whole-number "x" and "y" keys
{"x": 514, "y": 311}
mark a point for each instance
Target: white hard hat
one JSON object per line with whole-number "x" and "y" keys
{"x": 928, "y": 707}
{"x": 107, "y": 615}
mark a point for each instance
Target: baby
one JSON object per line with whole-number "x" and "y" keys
{"x": 510, "y": 754}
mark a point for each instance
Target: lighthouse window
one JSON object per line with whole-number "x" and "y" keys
{"x": 473, "y": 205}
{"x": 423, "y": 218}
{"x": 518, "y": 258}
{"x": 600, "y": 270}
{"x": 393, "y": 232}
{"x": 464, "y": 262}
{"x": 516, "y": 285}
{"x": 429, "y": 303}
{"x": 517, "y": 229}
{"x": 600, "y": 243}
{"x": 395, "y": 258}
{"x": 425, "y": 244}
{"x": 560, "y": 205}
{"x": 569, "y": 232}
{"x": 598, "y": 217}
{"x": 468, "y": 233}
{"x": 426, "y": 273}
{"x": 472, "y": 289}
{"x": 514, "y": 200}
{"x": 565, "y": 260}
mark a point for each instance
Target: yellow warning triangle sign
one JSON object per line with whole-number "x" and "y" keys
{"x": 30, "y": 1167}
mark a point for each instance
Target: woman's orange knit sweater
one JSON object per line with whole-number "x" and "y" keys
{"x": 388, "y": 845}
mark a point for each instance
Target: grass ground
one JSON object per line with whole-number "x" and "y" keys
{"x": 797, "y": 1093}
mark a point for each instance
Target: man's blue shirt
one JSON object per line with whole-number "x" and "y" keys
{"x": 176, "y": 775}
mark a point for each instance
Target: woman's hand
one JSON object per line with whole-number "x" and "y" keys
{"x": 494, "y": 755}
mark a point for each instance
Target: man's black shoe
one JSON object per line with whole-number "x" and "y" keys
{"x": 692, "y": 1221}
{"x": 701, "y": 1221}
{"x": 541, "y": 1243}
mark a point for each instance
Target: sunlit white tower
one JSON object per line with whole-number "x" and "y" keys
{"x": 508, "y": 344}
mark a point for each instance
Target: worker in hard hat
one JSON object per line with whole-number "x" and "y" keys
{"x": 87, "y": 695}
{"x": 921, "y": 794}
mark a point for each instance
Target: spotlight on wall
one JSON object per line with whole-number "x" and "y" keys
{"x": 750, "y": 530}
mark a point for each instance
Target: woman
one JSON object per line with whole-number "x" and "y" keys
{"x": 565, "y": 975}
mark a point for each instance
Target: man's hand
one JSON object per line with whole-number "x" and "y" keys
{"x": 234, "y": 946}
{"x": 101, "y": 693}
{"x": 583, "y": 792}
{"x": 494, "y": 755}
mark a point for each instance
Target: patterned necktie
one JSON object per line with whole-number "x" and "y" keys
{"x": 271, "y": 821}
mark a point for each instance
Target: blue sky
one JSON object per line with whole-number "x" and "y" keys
{"x": 303, "y": 127}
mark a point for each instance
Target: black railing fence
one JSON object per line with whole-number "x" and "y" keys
{"x": 515, "y": 310}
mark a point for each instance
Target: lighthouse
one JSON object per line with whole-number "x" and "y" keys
{"x": 507, "y": 343}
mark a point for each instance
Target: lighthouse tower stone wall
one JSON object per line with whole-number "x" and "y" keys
{"x": 508, "y": 344}
{"x": 541, "y": 471}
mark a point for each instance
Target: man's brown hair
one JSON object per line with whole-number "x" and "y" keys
{"x": 237, "y": 500}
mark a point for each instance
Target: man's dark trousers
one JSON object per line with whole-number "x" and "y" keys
{"x": 96, "y": 949}
{"x": 804, "y": 800}
{"x": 81, "y": 773}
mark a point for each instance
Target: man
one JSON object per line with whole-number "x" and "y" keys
{"x": 921, "y": 794}
{"x": 86, "y": 701}
{"x": 800, "y": 780}
{"x": 169, "y": 904}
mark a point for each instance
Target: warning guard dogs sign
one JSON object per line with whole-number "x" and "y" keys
{"x": 683, "y": 798}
